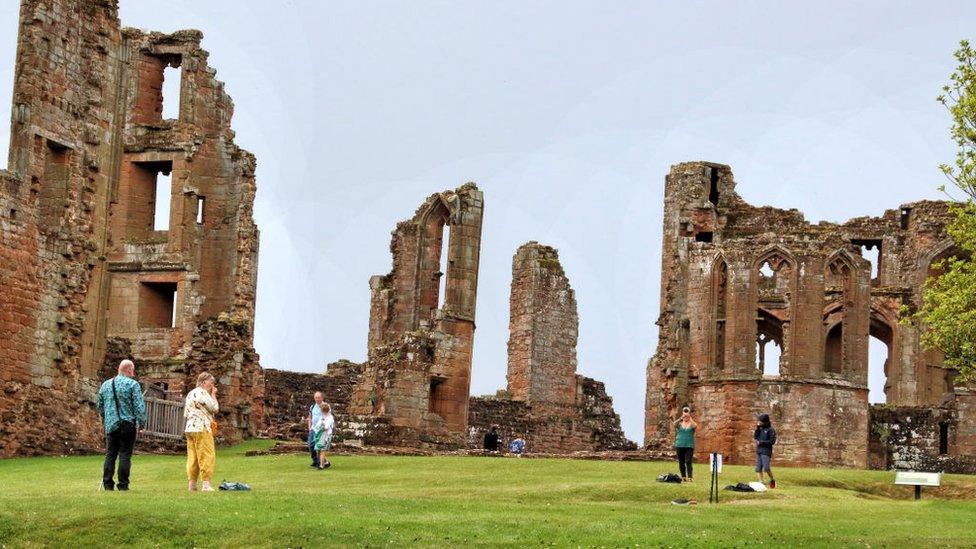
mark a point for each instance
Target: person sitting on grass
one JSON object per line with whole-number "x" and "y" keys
{"x": 684, "y": 442}
{"x": 491, "y": 439}
{"x": 516, "y": 446}
{"x": 765, "y": 437}
{"x": 323, "y": 434}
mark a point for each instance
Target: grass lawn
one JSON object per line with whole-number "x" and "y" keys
{"x": 459, "y": 501}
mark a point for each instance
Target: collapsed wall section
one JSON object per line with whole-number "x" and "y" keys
{"x": 742, "y": 284}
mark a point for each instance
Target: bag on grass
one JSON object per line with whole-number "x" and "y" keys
{"x": 669, "y": 477}
{"x": 234, "y": 486}
{"x": 740, "y": 487}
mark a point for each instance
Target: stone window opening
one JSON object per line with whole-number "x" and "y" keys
{"x": 834, "y": 349}
{"x": 162, "y": 200}
{"x": 713, "y": 186}
{"x": 147, "y": 189}
{"x": 172, "y": 92}
{"x": 773, "y": 278}
{"x": 201, "y": 202}
{"x": 443, "y": 266}
{"x": 437, "y": 398}
{"x": 906, "y": 218}
{"x": 160, "y": 83}
{"x": 879, "y": 354}
{"x": 720, "y": 289}
{"x": 769, "y": 329}
{"x": 157, "y": 304}
{"x": 703, "y": 236}
{"x": 871, "y": 250}
{"x": 53, "y": 197}
{"x": 943, "y": 438}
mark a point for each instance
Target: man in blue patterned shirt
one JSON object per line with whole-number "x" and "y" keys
{"x": 123, "y": 412}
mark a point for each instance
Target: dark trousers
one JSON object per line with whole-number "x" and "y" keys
{"x": 311, "y": 448}
{"x": 118, "y": 444}
{"x": 685, "y": 456}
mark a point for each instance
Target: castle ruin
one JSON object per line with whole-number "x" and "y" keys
{"x": 93, "y": 267}
{"x": 738, "y": 280}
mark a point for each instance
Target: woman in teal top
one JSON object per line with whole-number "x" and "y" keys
{"x": 684, "y": 442}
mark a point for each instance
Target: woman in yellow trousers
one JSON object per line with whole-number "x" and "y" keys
{"x": 199, "y": 410}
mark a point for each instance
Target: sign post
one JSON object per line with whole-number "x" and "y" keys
{"x": 715, "y": 466}
{"x": 912, "y": 478}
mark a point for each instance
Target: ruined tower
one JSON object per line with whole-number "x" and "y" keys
{"x": 740, "y": 283}
{"x": 88, "y": 262}
{"x": 416, "y": 382}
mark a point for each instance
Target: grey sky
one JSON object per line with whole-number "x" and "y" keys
{"x": 568, "y": 116}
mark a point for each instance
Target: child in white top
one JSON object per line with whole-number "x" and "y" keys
{"x": 324, "y": 429}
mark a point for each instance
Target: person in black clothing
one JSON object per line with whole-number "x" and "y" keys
{"x": 765, "y": 437}
{"x": 491, "y": 439}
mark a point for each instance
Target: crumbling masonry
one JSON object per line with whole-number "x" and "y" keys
{"x": 84, "y": 266}
{"x": 414, "y": 388}
{"x": 738, "y": 279}
{"x": 417, "y": 378}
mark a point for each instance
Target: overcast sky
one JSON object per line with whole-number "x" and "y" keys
{"x": 567, "y": 115}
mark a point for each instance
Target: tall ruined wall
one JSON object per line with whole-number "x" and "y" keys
{"x": 418, "y": 375}
{"x": 65, "y": 134}
{"x": 546, "y": 401}
{"x": 739, "y": 280}
{"x": 184, "y": 295}
{"x": 543, "y": 330}
{"x": 76, "y": 239}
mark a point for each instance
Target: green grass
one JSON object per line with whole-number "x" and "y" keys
{"x": 460, "y": 501}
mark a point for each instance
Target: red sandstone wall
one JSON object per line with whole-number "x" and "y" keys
{"x": 820, "y": 281}
{"x": 75, "y": 238}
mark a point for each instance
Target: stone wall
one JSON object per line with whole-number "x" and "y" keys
{"x": 915, "y": 438}
{"x": 738, "y": 281}
{"x": 81, "y": 261}
{"x": 288, "y": 396}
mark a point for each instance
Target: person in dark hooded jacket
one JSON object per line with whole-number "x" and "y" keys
{"x": 765, "y": 437}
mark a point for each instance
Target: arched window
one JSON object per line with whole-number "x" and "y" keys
{"x": 769, "y": 343}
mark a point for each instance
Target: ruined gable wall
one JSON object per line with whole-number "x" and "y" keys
{"x": 716, "y": 301}
{"x": 418, "y": 375}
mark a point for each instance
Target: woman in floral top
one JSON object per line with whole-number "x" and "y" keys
{"x": 199, "y": 410}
